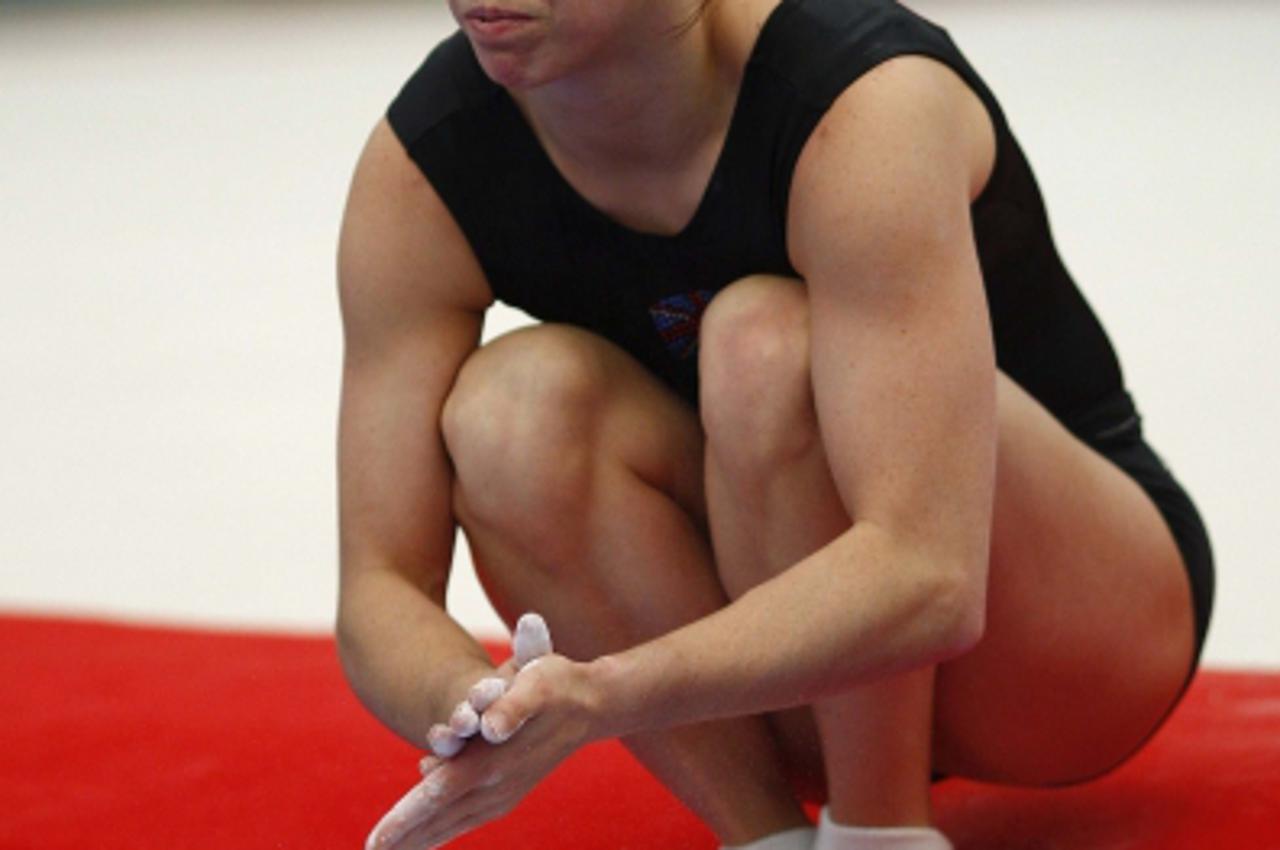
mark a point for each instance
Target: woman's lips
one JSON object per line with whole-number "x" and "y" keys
{"x": 493, "y": 13}
{"x": 494, "y": 21}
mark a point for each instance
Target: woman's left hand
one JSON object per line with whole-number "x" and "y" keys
{"x": 551, "y": 709}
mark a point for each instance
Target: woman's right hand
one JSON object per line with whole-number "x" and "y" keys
{"x": 532, "y": 641}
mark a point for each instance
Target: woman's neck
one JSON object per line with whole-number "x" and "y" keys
{"x": 652, "y": 104}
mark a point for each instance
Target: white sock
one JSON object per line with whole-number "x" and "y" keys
{"x": 834, "y": 836}
{"x": 800, "y": 838}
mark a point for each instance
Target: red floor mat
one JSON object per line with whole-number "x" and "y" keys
{"x": 139, "y": 738}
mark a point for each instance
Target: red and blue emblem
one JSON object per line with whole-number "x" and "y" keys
{"x": 677, "y": 319}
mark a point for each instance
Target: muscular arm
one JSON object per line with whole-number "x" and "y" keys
{"x": 412, "y": 301}
{"x": 904, "y": 380}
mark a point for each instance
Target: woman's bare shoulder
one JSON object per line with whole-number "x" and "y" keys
{"x": 398, "y": 235}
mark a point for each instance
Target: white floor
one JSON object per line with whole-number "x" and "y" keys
{"x": 170, "y": 186}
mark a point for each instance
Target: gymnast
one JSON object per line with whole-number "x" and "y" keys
{"x": 818, "y": 466}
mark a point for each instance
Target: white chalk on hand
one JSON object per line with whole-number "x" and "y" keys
{"x": 465, "y": 722}
{"x": 486, "y": 692}
{"x": 444, "y": 742}
{"x": 532, "y": 640}
{"x": 493, "y": 736}
{"x": 412, "y": 809}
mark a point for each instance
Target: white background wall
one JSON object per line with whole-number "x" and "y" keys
{"x": 171, "y": 181}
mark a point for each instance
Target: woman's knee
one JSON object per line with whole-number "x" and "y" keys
{"x": 520, "y": 426}
{"x": 756, "y": 395}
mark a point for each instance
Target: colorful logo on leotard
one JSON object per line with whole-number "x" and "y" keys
{"x": 678, "y": 318}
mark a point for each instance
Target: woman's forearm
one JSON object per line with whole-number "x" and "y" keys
{"x": 863, "y": 607}
{"x": 406, "y": 659}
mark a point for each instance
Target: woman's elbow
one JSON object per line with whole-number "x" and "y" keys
{"x": 960, "y": 611}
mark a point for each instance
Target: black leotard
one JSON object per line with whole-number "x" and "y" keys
{"x": 546, "y": 250}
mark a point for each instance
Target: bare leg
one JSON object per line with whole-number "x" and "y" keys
{"x": 1079, "y": 555}
{"x": 1089, "y": 624}
{"x": 579, "y": 490}
{"x": 772, "y": 502}
{"x": 1089, "y": 634}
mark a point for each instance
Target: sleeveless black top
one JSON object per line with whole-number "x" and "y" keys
{"x": 547, "y": 251}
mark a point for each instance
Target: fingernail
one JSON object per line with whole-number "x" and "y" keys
{"x": 465, "y": 722}
{"x": 486, "y": 692}
{"x": 428, "y": 764}
{"x": 496, "y": 732}
{"x": 444, "y": 743}
{"x": 491, "y": 731}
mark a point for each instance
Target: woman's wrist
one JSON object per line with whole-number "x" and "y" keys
{"x": 606, "y": 681}
{"x": 622, "y": 694}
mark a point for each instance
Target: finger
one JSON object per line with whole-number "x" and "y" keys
{"x": 428, "y": 764}
{"x": 465, "y": 721}
{"x": 532, "y": 639}
{"x": 428, "y": 836}
{"x": 518, "y": 706}
{"x": 534, "y": 663}
{"x": 499, "y": 730}
{"x": 507, "y": 670}
{"x": 410, "y": 812}
{"x": 486, "y": 692}
{"x": 471, "y": 811}
{"x": 448, "y": 781}
{"x": 444, "y": 742}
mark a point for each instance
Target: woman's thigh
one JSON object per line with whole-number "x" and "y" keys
{"x": 577, "y": 475}
{"x": 1090, "y": 625}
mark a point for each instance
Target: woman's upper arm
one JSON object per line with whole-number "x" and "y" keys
{"x": 412, "y": 298}
{"x": 903, "y": 363}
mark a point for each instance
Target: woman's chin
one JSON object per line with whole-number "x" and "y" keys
{"x": 509, "y": 69}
